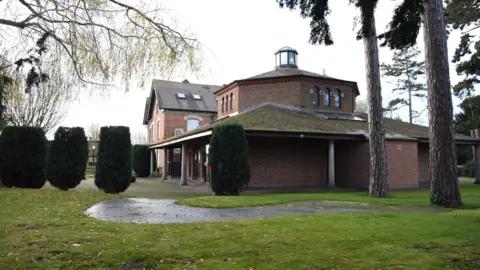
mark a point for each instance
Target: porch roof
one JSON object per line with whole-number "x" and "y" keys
{"x": 271, "y": 117}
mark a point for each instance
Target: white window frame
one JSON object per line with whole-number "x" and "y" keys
{"x": 181, "y": 96}
{"x": 197, "y": 97}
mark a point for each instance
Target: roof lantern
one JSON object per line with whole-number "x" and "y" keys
{"x": 286, "y": 57}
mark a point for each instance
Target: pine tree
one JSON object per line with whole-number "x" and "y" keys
{"x": 464, "y": 15}
{"x": 406, "y": 70}
{"x": 317, "y": 11}
{"x": 402, "y": 31}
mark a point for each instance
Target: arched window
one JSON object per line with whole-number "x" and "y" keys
{"x": 326, "y": 97}
{"x": 226, "y": 106}
{"x": 337, "y": 97}
{"x": 315, "y": 96}
{"x": 223, "y": 105}
{"x": 231, "y": 102}
{"x": 192, "y": 124}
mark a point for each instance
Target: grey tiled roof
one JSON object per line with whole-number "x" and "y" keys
{"x": 165, "y": 94}
{"x": 287, "y": 71}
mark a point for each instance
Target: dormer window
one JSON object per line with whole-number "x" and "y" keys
{"x": 197, "y": 97}
{"x": 181, "y": 96}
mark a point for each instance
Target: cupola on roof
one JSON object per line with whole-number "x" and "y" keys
{"x": 286, "y": 57}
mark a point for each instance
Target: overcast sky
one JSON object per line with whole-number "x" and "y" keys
{"x": 241, "y": 38}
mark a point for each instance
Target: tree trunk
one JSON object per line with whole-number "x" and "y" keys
{"x": 378, "y": 186}
{"x": 443, "y": 159}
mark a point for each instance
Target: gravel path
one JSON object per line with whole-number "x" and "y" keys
{"x": 166, "y": 211}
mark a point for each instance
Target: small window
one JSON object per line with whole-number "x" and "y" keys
{"x": 291, "y": 58}
{"x": 315, "y": 96}
{"x": 326, "y": 97}
{"x": 197, "y": 97}
{"x": 223, "y": 105}
{"x": 337, "y": 97}
{"x": 231, "y": 102}
{"x": 158, "y": 129}
{"x": 181, "y": 95}
{"x": 192, "y": 124}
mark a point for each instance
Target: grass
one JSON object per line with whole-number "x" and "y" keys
{"x": 46, "y": 229}
{"x": 417, "y": 197}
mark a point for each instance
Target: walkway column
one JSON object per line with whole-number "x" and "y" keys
{"x": 152, "y": 157}
{"x": 183, "y": 178}
{"x": 164, "y": 168}
{"x": 331, "y": 163}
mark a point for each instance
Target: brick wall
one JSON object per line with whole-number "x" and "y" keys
{"x": 277, "y": 91}
{"x": 402, "y": 157}
{"x": 347, "y": 102}
{"x": 230, "y": 107}
{"x": 287, "y": 162}
{"x": 352, "y": 167}
{"x": 423, "y": 163}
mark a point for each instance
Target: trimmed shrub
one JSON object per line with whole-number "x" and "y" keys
{"x": 228, "y": 158}
{"x": 67, "y": 159}
{"x": 23, "y": 153}
{"x": 113, "y": 171}
{"x": 141, "y": 160}
{"x": 468, "y": 169}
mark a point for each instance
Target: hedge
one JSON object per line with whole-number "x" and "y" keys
{"x": 141, "y": 160}
{"x": 113, "y": 171}
{"x": 67, "y": 159}
{"x": 228, "y": 158}
{"x": 23, "y": 153}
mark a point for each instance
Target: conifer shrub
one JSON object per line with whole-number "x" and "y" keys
{"x": 113, "y": 172}
{"x": 141, "y": 160}
{"x": 23, "y": 153}
{"x": 67, "y": 158}
{"x": 228, "y": 158}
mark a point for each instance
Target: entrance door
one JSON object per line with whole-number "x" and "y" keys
{"x": 175, "y": 158}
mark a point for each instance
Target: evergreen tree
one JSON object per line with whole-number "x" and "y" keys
{"x": 464, "y": 15}
{"x": 67, "y": 158}
{"x": 317, "y": 11}
{"x": 406, "y": 70}
{"x": 465, "y": 121}
{"x": 402, "y": 31}
{"x": 141, "y": 160}
{"x": 113, "y": 172}
{"x": 23, "y": 153}
{"x": 228, "y": 157}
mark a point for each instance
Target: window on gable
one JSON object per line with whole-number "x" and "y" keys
{"x": 192, "y": 124}
{"x": 223, "y": 105}
{"x": 231, "y": 102}
{"x": 337, "y": 97}
{"x": 326, "y": 97}
{"x": 315, "y": 95}
{"x": 181, "y": 95}
{"x": 158, "y": 129}
{"x": 197, "y": 97}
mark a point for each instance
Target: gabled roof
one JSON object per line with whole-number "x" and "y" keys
{"x": 272, "y": 117}
{"x": 165, "y": 93}
{"x": 290, "y": 72}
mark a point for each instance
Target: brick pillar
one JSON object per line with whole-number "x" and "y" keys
{"x": 331, "y": 163}
{"x": 183, "y": 178}
{"x": 476, "y": 156}
{"x": 164, "y": 168}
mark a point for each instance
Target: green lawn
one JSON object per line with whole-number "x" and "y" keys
{"x": 417, "y": 197}
{"x": 46, "y": 229}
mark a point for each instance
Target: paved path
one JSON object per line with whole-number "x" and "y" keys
{"x": 166, "y": 211}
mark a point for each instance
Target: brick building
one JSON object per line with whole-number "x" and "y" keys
{"x": 301, "y": 129}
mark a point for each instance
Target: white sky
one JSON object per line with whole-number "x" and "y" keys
{"x": 241, "y": 37}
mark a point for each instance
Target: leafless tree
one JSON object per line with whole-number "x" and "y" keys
{"x": 361, "y": 106}
{"x": 93, "y": 132}
{"x": 99, "y": 41}
{"x": 42, "y": 106}
{"x": 139, "y": 138}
